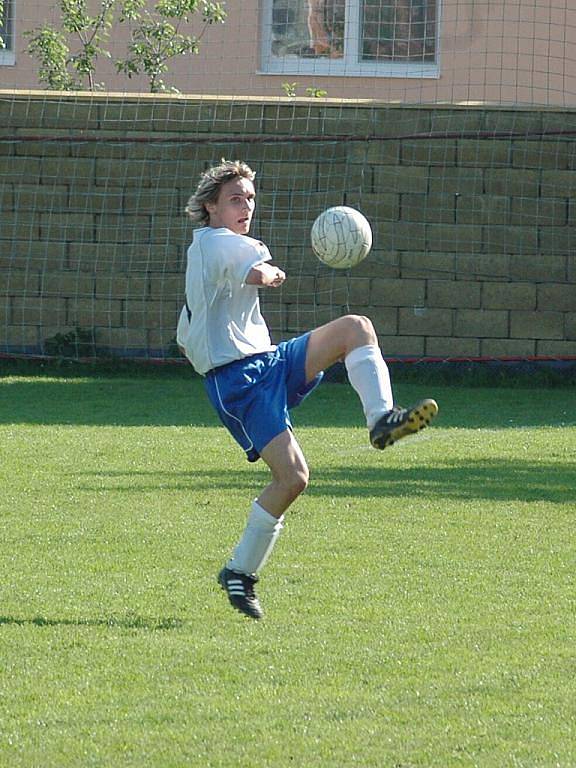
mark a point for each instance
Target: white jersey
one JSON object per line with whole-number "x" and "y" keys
{"x": 222, "y": 320}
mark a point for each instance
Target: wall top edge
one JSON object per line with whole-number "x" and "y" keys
{"x": 279, "y": 100}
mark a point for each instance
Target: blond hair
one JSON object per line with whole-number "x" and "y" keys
{"x": 209, "y": 186}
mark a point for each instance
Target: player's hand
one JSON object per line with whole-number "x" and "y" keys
{"x": 277, "y": 278}
{"x": 266, "y": 276}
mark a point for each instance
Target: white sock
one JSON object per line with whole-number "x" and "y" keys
{"x": 257, "y": 541}
{"x": 369, "y": 375}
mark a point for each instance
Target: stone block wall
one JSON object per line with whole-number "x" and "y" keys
{"x": 473, "y": 210}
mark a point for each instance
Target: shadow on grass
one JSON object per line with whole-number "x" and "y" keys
{"x": 131, "y": 622}
{"x": 478, "y": 479}
{"x": 182, "y": 402}
{"x": 115, "y": 402}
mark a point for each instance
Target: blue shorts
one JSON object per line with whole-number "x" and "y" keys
{"x": 252, "y": 396}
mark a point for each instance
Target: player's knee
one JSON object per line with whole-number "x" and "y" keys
{"x": 361, "y": 329}
{"x": 300, "y": 480}
{"x": 297, "y": 481}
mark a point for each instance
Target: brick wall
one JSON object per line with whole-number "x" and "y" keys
{"x": 473, "y": 211}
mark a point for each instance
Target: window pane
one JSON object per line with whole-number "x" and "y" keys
{"x": 308, "y": 28}
{"x": 398, "y": 30}
{"x": 6, "y": 27}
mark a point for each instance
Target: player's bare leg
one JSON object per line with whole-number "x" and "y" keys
{"x": 289, "y": 471}
{"x": 332, "y": 342}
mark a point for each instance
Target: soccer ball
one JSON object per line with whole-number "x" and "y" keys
{"x": 341, "y": 237}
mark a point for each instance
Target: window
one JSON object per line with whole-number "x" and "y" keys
{"x": 387, "y": 38}
{"x": 7, "y": 33}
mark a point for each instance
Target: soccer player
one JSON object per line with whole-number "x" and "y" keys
{"x": 253, "y": 383}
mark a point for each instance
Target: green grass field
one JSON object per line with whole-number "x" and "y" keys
{"x": 420, "y": 604}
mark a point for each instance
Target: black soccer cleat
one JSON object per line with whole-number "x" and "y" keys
{"x": 240, "y": 590}
{"x": 401, "y": 422}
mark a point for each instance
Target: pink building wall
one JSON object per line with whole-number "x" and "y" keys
{"x": 490, "y": 51}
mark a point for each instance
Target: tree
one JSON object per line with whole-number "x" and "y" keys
{"x": 156, "y": 38}
{"x": 60, "y": 69}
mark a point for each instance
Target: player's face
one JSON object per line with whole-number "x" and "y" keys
{"x": 235, "y": 206}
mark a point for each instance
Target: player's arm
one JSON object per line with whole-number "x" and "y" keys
{"x": 266, "y": 275}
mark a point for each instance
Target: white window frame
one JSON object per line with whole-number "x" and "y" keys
{"x": 8, "y": 55}
{"x": 350, "y": 64}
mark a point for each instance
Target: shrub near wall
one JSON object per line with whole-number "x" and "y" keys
{"x": 472, "y": 209}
